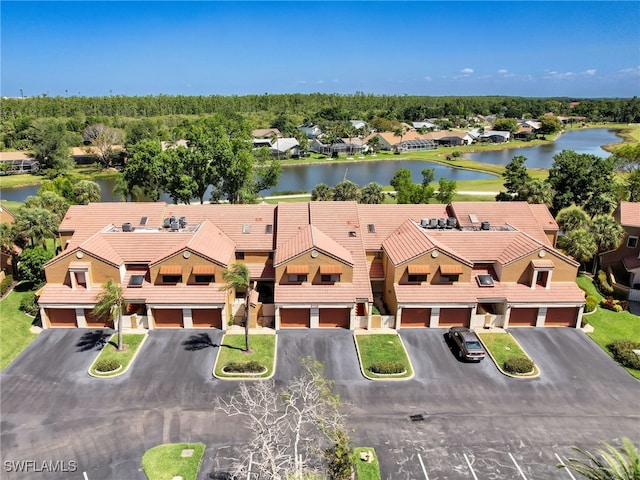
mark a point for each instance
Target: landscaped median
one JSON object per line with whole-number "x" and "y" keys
{"x": 508, "y": 355}
{"x": 172, "y": 460}
{"x": 232, "y": 362}
{"x": 111, "y": 362}
{"x": 383, "y": 356}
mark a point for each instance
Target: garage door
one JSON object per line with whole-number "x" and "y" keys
{"x": 207, "y": 318}
{"x": 523, "y": 317}
{"x": 415, "y": 317}
{"x": 62, "y": 317}
{"x": 95, "y": 322}
{"x": 561, "y": 317}
{"x": 454, "y": 317}
{"x": 335, "y": 317}
{"x": 294, "y": 317}
{"x": 167, "y": 318}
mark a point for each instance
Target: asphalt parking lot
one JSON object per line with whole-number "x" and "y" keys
{"x": 476, "y": 422}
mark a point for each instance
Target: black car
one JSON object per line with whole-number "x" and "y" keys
{"x": 468, "y": 343}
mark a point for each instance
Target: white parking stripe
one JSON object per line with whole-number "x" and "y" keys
{"x": 517, "y": 466}
{"x": 424, "y": 470}
{"x": 565, "y": 467}
{"x": 470, "y": 467}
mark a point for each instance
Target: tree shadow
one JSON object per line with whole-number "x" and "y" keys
{"x": 93, "y": 340}
{"x": 199, "y": 341}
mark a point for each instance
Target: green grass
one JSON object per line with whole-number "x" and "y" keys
{"x": 14, "y": 327}
{"x": 374, "y": 348}
{"x": 262, "y": 350}
{"x": 110, "y": 350}
{"x": 609, "y": 326}
{"x": 502, "y": 347}
{"x": 366, "y": 470}
{"x": 164, "y": 461}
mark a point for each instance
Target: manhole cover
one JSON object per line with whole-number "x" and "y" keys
{"x": 416, "y": 418}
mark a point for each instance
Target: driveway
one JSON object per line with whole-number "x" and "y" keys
{"x": 473, "y": 417}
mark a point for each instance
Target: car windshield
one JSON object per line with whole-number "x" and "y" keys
{"x": 474, "y": 344}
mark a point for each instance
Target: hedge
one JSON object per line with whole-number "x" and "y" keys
{"x": 518, "y": 365}
{"x": 387, "y": 368}
{"x": 622, "y": 351}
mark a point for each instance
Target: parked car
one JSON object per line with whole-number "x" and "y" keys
{"x": 468, "y": 343}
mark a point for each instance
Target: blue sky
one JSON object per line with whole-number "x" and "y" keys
{"x": 528, "y": 48}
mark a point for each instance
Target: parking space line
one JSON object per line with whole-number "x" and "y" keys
{"x": 470, "y": 467}
{"x": 517, "y": 466}
{"x": 424, "y": 470}
{"x": 565, "y": 467}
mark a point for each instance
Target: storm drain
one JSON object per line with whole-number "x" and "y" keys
{"x": 416, "y": 418}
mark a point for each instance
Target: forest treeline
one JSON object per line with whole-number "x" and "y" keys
{"x": 317, "y": 107}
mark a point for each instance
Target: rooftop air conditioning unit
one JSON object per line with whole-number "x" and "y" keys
{"x": 433, "y": 223}
{"x": 166, "y": 223}
{"x": 424, "y": 222}
{"x": 442, "y": 223}
{"x": 127, "y": 227}
{"x": 183, "y": 222}
{"x": 175, "y": 226}
{"x": 452, "y": 222}
{"x": 485, "y": 226}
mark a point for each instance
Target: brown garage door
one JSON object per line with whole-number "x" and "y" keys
{"x": 334, "y": 317}
{"x": 62, "y": 317}
{"x": 415, "y": 317}
{"x": 207, "y": 317}
{"x": 294, "y": 317}
{"x": 96, "y": 322}
{"x": 454, "y": 317}
{"x": 167, "y": 317}
{"x": 561, "y": 317}
{"x": 523, "y": 317}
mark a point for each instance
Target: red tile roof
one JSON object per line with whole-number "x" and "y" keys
{"x": 630, "y": 214}
{"x": 307, "y": 238}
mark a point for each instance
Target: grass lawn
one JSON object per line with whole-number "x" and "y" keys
{"x": 14, "y": 326}
{"x": 263, "y": 350}
{"x": 165, "y": 462}
{"x": 609, "y": 326}
{"x": 110, "y": 350}
{"x": 385, "y": 347}
{"x": 502, "y": 347}
{"x": 366, "y": 470}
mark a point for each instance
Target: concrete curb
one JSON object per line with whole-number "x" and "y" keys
{"x": 244, "y": 377}
{"x": 389, "y": 378}
{"x": 536, "y": 370}
{"x": 124, "y": 370}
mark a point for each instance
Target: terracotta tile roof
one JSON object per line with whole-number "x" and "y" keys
{"x": 520, "y": 215}
{"x": 542, "y": 264}
{"x": 467, "y": 293}
{"x": 376, "y": 270}
{"x": 178, "y": 295}
{"x": 630, "y": 214}
{"x": 260, "y": 270}
{"x": 307, "y": 238}
{"x": 58, "y": 294}
{"x": 291, "y": 218}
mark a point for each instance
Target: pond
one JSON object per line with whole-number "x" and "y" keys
{"x": 541, "y": 156}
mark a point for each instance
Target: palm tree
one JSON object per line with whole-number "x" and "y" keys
{"x": 607, "y": 233}
{"x": 372, "y": 193}
{"x": 37, "y": 223}
{"x": 608, "y": 463}
{"x": 572, "y": 218}
{"x": 109, "y": 305}
{"x": 346, "y": 191}
{"x": 399, "y": 132}
{"x": 237, "y": 277}
{"x": 322, "y": 193}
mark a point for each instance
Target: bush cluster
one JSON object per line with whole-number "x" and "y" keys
{"x": 107, "y": 365}
{"x": 622, "y": 351}
{"x": 387, "y": 368}
{"x": 591, "y": 304}
{"x": 518, "y": 365}
{"x": 602, "y": 283}
{"x": 244, "y": 367}
{"x": 5, "y": 284}
{"x": 28, "y": 304}
{"x": 612, "y": 304}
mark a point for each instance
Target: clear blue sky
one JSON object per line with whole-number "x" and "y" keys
{"x": 528, "y": 48}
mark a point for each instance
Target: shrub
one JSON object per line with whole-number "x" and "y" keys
{"x": 622, "y": 351}
{"x": 107, "y": 365}
{"x": 602, "y": 283}
{"x": 6, "y": 284}
{"x": 518, "y": 365}
{"x": 244, "y": 367}
{"x": 387, "y": 368}
{"x": 28, "y": 304}
{"x": 591, "y": 304}
{"x": 612, "y": 304}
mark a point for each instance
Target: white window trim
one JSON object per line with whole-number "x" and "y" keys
{"x": 630, "y": 238}
{"x": 534, "y": 280}
{"x": 74, "y": 280}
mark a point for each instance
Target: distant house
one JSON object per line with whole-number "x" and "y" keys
{"x": 623, "y": 264}
{"x": 178, "y": 143}
{"x": 17, "y": 162}
{"x": 425, "y": 125}
{"x": 495, "y": 136}
{"x": 409, "y": 141}
{"x": 88, "y": 154}
{"x": 311, "y": 130}
{"x": 285, "y": 146}
{"x": 342, "y": 146}
{"x": 358, "y": 124}
{"x": 266, "y": 133}
{"x": 449, "y": 138}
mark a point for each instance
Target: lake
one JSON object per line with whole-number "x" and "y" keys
{"x": 541, "y": 156}
{"x": 305, "y": 177}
